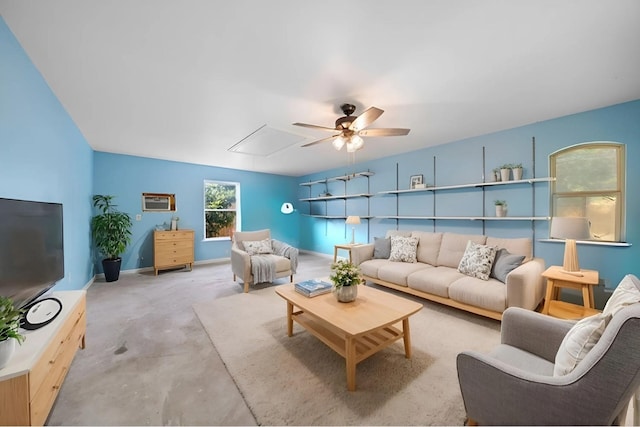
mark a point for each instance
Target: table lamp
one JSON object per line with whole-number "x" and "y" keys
{"x": 570, "y": 229}
{"x": 353, "y": 220}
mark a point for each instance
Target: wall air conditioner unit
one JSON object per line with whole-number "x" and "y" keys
{"x": 157, "y": 202}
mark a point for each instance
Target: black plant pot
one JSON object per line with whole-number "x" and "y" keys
{"x": 111, "y": 268}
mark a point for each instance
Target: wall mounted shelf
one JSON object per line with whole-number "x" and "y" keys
{"x": 474, "y": 185}
{"x": 469, "y": 218}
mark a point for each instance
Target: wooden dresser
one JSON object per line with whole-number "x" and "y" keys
{"x": 172, "y": 249}
{"x": 30, "y": 382}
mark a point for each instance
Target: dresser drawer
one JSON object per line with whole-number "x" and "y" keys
{"x": 174, "y": 235}
{"x": 167, "y": 245}
{"x": 74, "y": 324}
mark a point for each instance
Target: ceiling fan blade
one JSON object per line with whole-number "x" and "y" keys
{"x": 384, "y": 132}
{"x": 321, "y": 140}
{"x": 305, "y": 125}
{"x": 366, "y": 118}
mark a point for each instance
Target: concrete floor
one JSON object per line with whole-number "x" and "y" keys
{"x": 148, "y": 361}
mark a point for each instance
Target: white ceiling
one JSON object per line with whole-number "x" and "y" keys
{"x": 187, "y": 79}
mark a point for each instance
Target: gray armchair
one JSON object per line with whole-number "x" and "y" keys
{"x": 282, "y": 261}
{"x": 514, "y": 384}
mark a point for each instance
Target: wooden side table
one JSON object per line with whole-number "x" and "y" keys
{"x": 345, "y": 246}
{"x": 557, "y": 279}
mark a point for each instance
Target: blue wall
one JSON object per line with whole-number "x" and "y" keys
{"x": 127, "y": 177}
{"x": 461, "y": 162}
{"x": 43, "y": 155}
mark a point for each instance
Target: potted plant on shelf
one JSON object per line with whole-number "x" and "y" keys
{"x": 9, "y": 323}
{"x": 501, "y": 208}
{"x": 111, "y": 231}
{"x": 505, "y": 172}
{"x": 345, "y": 277}
{"x": 496, "y": 174}
{"x": 517, "y": 171}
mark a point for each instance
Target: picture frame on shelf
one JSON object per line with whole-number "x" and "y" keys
{"x": 415, "y": 181}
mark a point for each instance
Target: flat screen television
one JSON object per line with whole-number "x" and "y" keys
{"x": 31, "y": 249}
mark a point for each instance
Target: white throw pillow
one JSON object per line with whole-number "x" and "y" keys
{"x": 578, "y": 342}
{"x": 403, "y": 249}
{"x": 627, "y": 293}
{"x": 258, "y": 246}
{"x": 477, "y": 260}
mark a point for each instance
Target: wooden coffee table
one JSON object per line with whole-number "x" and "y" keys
{"x": 354, "y": 330}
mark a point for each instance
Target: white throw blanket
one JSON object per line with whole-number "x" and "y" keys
{"x": 263, "y": 266}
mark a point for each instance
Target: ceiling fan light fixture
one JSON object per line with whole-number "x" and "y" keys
{"x": 338, "y": 143}
{"x": 356, "y": 142}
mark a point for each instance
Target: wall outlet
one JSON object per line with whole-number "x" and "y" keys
{"x": 138, "y": 217}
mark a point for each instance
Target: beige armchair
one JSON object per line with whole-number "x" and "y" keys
{"x": 257, "y": 258}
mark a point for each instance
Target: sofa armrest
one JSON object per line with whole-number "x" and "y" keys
{"x": 533, "y": 332}
{"x": 240, "y": 263}
{"x": 361, "y": 253}
{"x": 525, "y": 285}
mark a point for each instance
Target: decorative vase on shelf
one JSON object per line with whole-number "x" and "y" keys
{"x": 505, "y": 174}
{"x": 501, "y": 210}
{"x": 517, "y": 173}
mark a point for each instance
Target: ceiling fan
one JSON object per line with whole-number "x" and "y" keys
{"x": 351, "y": 129}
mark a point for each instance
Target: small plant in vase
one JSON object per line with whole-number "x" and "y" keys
{"x": 9, "y": 324}
{"x": 516, "y": 169}
{"x": 345, "y": 277}
{"x": 505, "y": 172}
{"x": 501, "y": 207}
{"x": 496, "y": 174}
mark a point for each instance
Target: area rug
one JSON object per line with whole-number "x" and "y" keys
{"x": 300, "y": 381}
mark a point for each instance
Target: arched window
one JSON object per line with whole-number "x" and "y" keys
{"x": 590, "y": 183}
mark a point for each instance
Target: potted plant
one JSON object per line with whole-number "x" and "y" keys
{"x": 501, "y": 207}
{"x": 9, "y": 323}
{"x": 112, "y": 233}
{"x": 496, "y": 174}
{"x": 517, "y": 171}
{"x": 505, "y": 171}
{"x": 345, "y": 277}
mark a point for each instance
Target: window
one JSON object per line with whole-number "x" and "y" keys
{"x": 590, "y": 183}
{"x": 221, "y": 209}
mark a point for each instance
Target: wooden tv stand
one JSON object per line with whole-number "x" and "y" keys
{"x": 30, "y": 383}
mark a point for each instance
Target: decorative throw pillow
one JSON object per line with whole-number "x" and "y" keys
{"x": 477, "y": 260}
{"x": 258, "y": 246}
{"x": 403, "y": 249}
{"x": 504, "y": 263}
{"x": 578, "y": 342}
{"x": 381, "y": 248}
{"x": 627, "y": 293}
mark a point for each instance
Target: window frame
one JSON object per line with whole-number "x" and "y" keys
{"x": 620, "y": 191}
{"x": 237, "y": 209}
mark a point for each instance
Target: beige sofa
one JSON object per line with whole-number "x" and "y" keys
{"x": 435, "y": 275}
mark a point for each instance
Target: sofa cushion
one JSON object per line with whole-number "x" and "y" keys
{"x": 428, "y": 246}
{"x": 627, "y": 292}
{"x": 381, "y": 248}
{"x": 477, "y": 260}
{"x": 370, "y": 267}
{"x": 403, "y": 249}
{"x": 397, "y": 272}
{"x": 435, "y": 280}
{"x": 453, "y": 246}
{"x": 518, "y": 246}
{"x": 255, "y": 247}
{"x": 402, "y": 233}
{"x": 488, "y": 294}
{"x": 504, "y": 263}
{"x": 578, "y": 342}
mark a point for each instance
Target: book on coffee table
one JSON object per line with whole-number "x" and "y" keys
{"x": 313, "y": 287}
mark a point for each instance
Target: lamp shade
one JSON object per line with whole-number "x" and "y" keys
{"x": 353, "y": 219}
{"x": 565, "y": 227}
{"x": 286, "y": 208}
